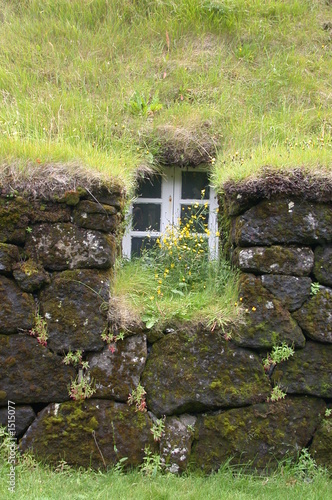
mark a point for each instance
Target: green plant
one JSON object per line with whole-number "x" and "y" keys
{"x": 82, "y": 387}
{"x": 328, "y": 412}
{"x": 139, "y": 105}
{"x": 314, "y": 288}
{"x": 279, "y": 353}
{"x": 277, "y": 394}
{"x": 152, "y": 464}
{"x": 305, "y": 466}
{"x": 75, "y": 359}
{"x": 111, "y": 339}
{"x": 137, "y": 397}
{"x": 158, "y": 428}
{"x": 40, "y": 330}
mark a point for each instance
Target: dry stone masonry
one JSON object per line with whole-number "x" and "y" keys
{"x": 213, "y": 394}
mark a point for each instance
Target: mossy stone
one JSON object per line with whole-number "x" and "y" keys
{"x": 17, "y": 309}
{"x": 315, "y": 316}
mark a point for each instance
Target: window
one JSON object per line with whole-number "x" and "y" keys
{"x": 165, "y": 199}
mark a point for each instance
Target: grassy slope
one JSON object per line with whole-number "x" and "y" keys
{"x": 258, "y": 71}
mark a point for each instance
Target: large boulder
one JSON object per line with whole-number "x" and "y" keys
{"x": 31, "y": 373}
{"x": 176, "y": 441}
{"x": 315, "y": 316}
{"x": 321, "y": 447}
{"x": 75, "y": 307}
{"x": 291, "y": 291}
{"x": 8, "y": 256}
{"x": 24, "y": 416}
{"x": 261, "y": 434}
{"x": 275, "y": 260}
{"x": 308, "y": 371}
{"x": 267, "y": 322}
{"x": 196, "y": 371}
{"x": 94, "y": 433}
{"x": 117, "y": 369}
{"x": 66, "y": 246}
{"x": 17, "y": 309}
{"x": 323, "y": 265}
{"x": 283, "y": 220}
{"x": 96, "y": 216}
{"x": 30, "y": 276}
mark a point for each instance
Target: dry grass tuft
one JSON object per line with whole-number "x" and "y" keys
{"x": 53, "y": 179}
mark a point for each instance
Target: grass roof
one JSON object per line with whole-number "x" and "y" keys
{"x": 112, "y": 85}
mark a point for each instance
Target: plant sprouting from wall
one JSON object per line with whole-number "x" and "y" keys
{"x": 279, "y": 353}
{"x": 83, "y": 387}
{"x": 39, "y": 331}
{"x": 158, "y": 428}
{"x": 137, "y": 398}
{"x": 277, "y": 394}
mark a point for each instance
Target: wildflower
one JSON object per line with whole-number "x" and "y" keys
{"x": 253, "y": 308}
{"x": 217, "y": 234}
{"x": 241, "y": 298}
{"x": 152, "y": 297}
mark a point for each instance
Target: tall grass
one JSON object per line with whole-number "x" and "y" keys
{"x": 258, "y": 72}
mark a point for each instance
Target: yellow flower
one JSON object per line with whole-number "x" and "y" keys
{"x": 217, "y": 234}
{"x": 160, "y": 282}
{"x": 253, "y": 308}
{"x": 152, "y": 297}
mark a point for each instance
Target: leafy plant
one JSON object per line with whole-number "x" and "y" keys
{"x": 158, "y": 428}
{"x": 152, "y": 464}
{"x": 75, "y": 359}
{"x": 137, "y": 397}
{"x": 314, "y": 288}
{"x": 305, "y": 466}
{"x": 40, "y": 330}
{"x": 279, "y": 353}
{"x": 139, "y": 105}
{"x": 277, "y": 394}
{"x": 82, "y": 388}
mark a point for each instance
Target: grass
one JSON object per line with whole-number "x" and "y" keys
{"x": 40, "y": 482}
{"x": 88, "y": 81}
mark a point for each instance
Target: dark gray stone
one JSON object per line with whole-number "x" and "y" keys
{"x": 323, "y": 265}
{"x": 117, "y": 371}
{"x": 66, "y": 246}
{"x": 30, "y": 276}
{"x": 315, "y": 316}
{"x": 321, "y": 447}
{"x": 290, "y": 290}
{"x": 75, "y": 307}
{"x": 275, "y": 260}
{"x": 267, "y": 322}
{"x": 262, "y": 434}
{"x": 176, "y": 441}
{"x": 17, "y": 309}
{"x": 196, "y": 371}
{"x": 30, "y": 373}
{"x": 8, "y": 256}
{"x": 92, "y": 215}
{"x": 308, "y": 371}
{"x": 93, "y": 433}
{"x": 284, "y": 220}
{"x": 24, "y": 416}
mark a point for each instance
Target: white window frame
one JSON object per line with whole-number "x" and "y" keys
{"x": 170, "y": 212}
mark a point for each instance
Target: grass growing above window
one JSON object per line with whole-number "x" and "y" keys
{"x": 176, "y": 281}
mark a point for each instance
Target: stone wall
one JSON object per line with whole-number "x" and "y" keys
{"x": 211, "y": 393}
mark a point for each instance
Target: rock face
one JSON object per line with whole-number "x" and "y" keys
{"x": 321, "y": 448}
{"x": 267, "y": 323}
{"x": 315, "y": 316}
{"x": 95, "y": 216}
{"x": 323, "y": 265}
{"x": 262, "y": 434}
{"x": 30, "y": 373}
{"x": 307, "y": 372}
{"x": 8, "y": 256}
{"x": 275, "y": 260}
{"x": 286, "y": 220}
{"x": 30, "y": 276}
{"x": 176, "y": 441}
{"x": 65, "y": 246}
{"x": 291, "y": 291}
{"x": 17, "y": 308}
{"x": 190, "y": 372}
{"x": 24, "y": 416}
{"x": 117, "y": 371}
{"x": 75, "y": 308}
{"x": 94, "y": 433}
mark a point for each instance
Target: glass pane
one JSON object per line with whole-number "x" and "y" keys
{"x": 149, "y": 187}
{"x": 193, "y": 183}
{"x": 138, "y": 245}
{"x": 197, "y": 216}
{"x": 146, "y": 217}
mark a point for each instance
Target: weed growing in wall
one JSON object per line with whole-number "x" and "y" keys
{"x": 83, "y": 387}
{"x": 279, "y": 353}
{"x": 137, "y": 398}
{"x": 40, "y": 330}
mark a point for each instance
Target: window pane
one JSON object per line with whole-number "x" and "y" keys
{"x": 146, "y": 217}
{"x": 149, "y": 187}
{"x": 196, "y": 216}
{"x": 138, "y": 245}
{"x": 193, "y": 183}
